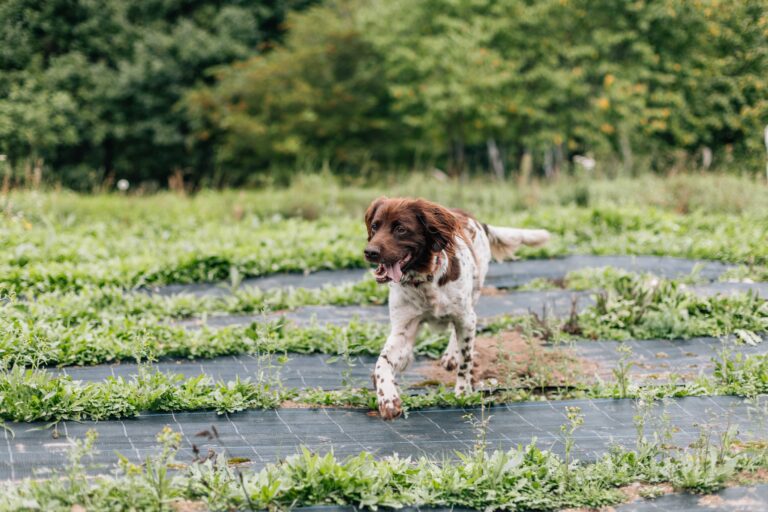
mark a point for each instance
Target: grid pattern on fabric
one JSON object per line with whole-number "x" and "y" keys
{"x": 267, "y": 436}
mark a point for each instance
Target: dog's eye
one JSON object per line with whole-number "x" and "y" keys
{"x": 400, "y": 230}
{"x": 374, "y": 226}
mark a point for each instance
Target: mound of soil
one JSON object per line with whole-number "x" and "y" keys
{"x": 507, "y": 359}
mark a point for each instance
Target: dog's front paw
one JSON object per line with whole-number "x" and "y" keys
{"x": 449, "y": 361}
{"x": 390, "y": 408}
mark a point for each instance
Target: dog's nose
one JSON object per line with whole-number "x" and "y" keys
{"x": 372, "y": 253}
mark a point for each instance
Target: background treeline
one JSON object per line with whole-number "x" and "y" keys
{"x": 232, "y": 92}
{"x": 91, "y": 89}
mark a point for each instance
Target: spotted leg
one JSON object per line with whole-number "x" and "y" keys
{"x": 450, "y": 358}
{"x": 465, "y": 338}
{"x": 394, "y": 358}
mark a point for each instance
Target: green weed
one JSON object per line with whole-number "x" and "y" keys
{"x": 32, "y": 395}
{"x": 62, "y": 241}
{"x": 523, "y": 478}
{"x": 35, "y": 395}
{"x": 637, "y": 307}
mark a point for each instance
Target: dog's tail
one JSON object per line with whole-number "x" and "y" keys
{"x": 506, "y": 241}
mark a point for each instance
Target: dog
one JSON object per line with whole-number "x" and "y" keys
{"x": 434, "y": 260}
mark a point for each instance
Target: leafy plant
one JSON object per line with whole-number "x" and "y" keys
{"x": 643, "y": 307}
{"x": 524, "y": 477}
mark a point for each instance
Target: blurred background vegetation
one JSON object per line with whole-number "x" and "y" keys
{"x": 203, "y": 93}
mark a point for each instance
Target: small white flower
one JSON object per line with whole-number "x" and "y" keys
{"x": 123, "y": 185}
{"x": 586, "y": 162}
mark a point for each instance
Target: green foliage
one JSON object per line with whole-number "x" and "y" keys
{"x": 56, "y": 333}
{"x": 32, "y": 395}
{"x": 36, "y": 395}
{"x": 706, "y": 468}
{"x": 110, "y": 253}
{"x": 202, "y": 91}
{"x": 319, "y": 98}
{"x": 524, "y": 478}
{"x": 52, "y": 242}
{"x": 642, "y": 307}
{"x": 97, "y": 326}
{"x": 34, "y": 335}
{"x": 54, "y": 342}
{"x": 93, "y": 85}
{"x": 107, "y": 304}
{"x": 647, "y": 83}
{"x": 747, "y": 375}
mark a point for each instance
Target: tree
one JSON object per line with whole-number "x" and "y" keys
{"x": 117, "y": 71}
{"x": 319, "y": 97}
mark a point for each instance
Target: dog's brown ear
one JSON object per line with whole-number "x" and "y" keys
{"x": 441, "y": 225}
{"x": 371, "y": 212}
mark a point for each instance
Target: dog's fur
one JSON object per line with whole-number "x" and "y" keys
{"x": 435, "y": 261}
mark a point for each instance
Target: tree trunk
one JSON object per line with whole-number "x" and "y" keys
{"x": 526, "y": 166}
{"x": 549, "y": 164}
{"x": 765, "y": 137}
{"x": 627, "y": 159}
{"x": 107, "y": 146}
{"x": 562, "y": 159}
{"x": 494, "y": 158}
{"x": 458, "y": 156}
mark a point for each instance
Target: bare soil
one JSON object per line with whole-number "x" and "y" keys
{"x": 291, "y": 404}
{"x": 492, "y": 291}
{"x": 188, "y": 506}
{"x": 508, "y": 359}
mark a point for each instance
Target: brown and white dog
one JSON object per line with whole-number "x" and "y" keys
{"x": 435, "y": 261}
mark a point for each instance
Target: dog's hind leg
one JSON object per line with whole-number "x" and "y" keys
{"x": 450, "y": 358}
{"x": 465, "y": 338}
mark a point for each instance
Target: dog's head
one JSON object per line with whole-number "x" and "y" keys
{"x": 405, "y": 234}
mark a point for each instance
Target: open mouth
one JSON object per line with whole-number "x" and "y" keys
{"x": 392, "y": 272}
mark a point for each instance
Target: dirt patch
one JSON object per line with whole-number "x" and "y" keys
{"x": 589, "y": 509}
{"x": 632, "y": 492}
{"x": 507, "y": 359}
{"x": 711, "y": 501}
{"x": 758, "y": 476}
{"x": 188, "y": 506}
{"x": 743, "y": 503}
{"x": 638, "y": 491}
{"x": 290, "y": 404}
{"x": 492, "y": 291}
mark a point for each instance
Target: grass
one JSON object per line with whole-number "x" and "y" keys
{"x": 93, "y": 303}
{"x": 68, "y": 263}
{"x": 124, "y": 339}
{"x": 524, "y": 478}
{"x": 29, "y": 395}
{"x": 734, "y": 374}
{"x": 642, "y": 307}
{"x": 106, "y": 326}
{"x": 61, "y": 241}
{"x": 35, "y": 395}
{"x": 740, "y": 374}
{"x": 598, "y": 278}
{"x": 61, "y": 257}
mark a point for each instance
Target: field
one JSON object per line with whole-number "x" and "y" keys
{"x": 183, "y": 317}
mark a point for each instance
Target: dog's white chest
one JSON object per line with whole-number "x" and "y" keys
{"x": 432, "y": 300}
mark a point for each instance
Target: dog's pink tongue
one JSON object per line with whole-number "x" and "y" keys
{"x": 394, "y": 272}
